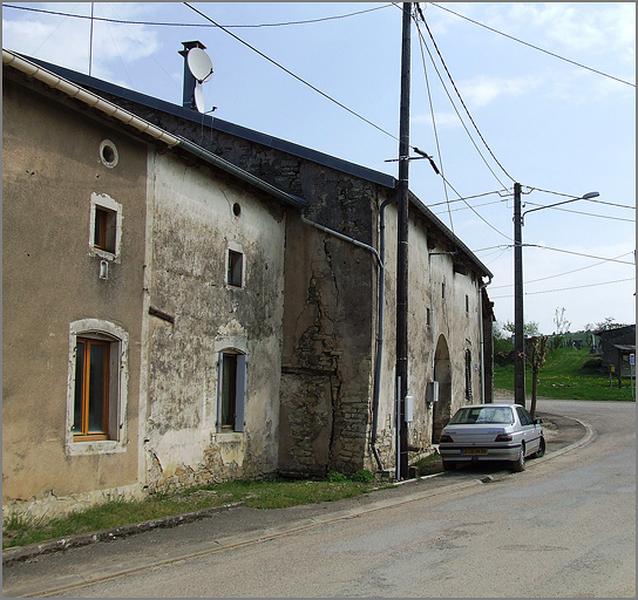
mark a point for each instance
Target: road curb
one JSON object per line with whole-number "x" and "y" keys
{"x": 239, "y": 540}
{"x": 588, "y": 438}
{"x": 13, "y": 555}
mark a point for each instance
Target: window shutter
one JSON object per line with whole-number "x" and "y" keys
{"x": 242, "y": 365}
{"x": 218, "y": 411}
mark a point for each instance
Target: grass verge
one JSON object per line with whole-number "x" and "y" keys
{"x": 429, "y": 465}
{"x": 274, "y": 493}
{"x": 562, "y": 377}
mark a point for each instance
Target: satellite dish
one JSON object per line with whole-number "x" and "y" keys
{"x": 199, "y": 64}
{"x": 198, "y": 97}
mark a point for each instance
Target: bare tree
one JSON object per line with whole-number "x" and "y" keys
{"x": 560, "y": 321}
{"x": 604, "y": 325}
{"x": 537, "y": 350}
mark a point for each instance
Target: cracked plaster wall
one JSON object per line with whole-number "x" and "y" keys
{"x": 193, "y": 225}
{"x": 449, "y": 318}
{"x": 50, "y": 280}
{"x": 312, "y": 378}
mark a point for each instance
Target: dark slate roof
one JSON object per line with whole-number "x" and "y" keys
{"x": 221, "y": 125}
{"x": 617, "y": 331}
{"x": 338, "y": 164}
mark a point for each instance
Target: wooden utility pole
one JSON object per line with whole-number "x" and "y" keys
{"x": 402, "y": 246}
{"x": 519, "y": 339}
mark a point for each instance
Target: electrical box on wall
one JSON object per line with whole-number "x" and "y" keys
{"x": 432, "y": 394}
{"x": 409, "y": 409}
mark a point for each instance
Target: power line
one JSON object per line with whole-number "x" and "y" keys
{"x": 577, "y": 212}
{"x": 575, "y": 287}
{"x": 289, "y": 72}
{"x": 456, "y": 110}
{"x": 594, "y": 200}
{"x": 436, "y": 134}
{"x": 507, "y": 237}
{"x": 475, "y": 206}
{"x": 328, "y": 97}
{"x": 607, "y": 259}
{"x": 580, "y": 212}
{"x": 461, "y": 98}
{"x": 511, "y": 37}
{"x": 464, "y": 198}
{"x": 172, "y": 24}
{"x": 624, "y": 262}
{"x": 602, "y": 262}
{"x": 492, "y": 247}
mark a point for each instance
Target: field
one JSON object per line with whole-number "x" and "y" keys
{"x": 562, "y": 377}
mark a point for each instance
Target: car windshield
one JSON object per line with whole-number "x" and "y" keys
{"x": 483, "y": 414}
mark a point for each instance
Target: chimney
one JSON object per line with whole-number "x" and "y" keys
{"x": 189, "y": 81}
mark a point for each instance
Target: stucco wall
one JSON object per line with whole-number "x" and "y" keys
{"x": 50, "y": 279}
{"x": 327, "y": 357}
{"x": 193, "y": 224}
{"x": 448, "y": 317}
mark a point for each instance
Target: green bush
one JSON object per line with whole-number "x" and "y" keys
{"x": 336, "y": 477}
{"x": 593, "y": 364}
{"x": 363, "y": 476}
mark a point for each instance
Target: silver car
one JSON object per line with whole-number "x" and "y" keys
{"x": 491, "y": 432}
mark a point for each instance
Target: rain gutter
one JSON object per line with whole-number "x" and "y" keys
{"x": 141, "y": 125}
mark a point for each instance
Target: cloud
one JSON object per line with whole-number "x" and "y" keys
{"x": 582, "y": 305}
{"x": 480, "y": 91}
{"x": 65, "y": 41}
{"x": 599, "y": 30}
{"x": 443, "y": 119}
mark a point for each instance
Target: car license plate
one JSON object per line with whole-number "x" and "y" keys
{"x": 474, "y": 451}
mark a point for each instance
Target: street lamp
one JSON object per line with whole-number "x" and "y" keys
{"x": 587, "y": 196}
{"x": 519, "y": 342}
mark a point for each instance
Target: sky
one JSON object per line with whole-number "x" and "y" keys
{"x": 551, "y": 125}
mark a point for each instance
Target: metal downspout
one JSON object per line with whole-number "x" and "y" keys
{"x": 380, "y": 288}
{"x": 380, "y": 322}
{"x": 481, "y": 288}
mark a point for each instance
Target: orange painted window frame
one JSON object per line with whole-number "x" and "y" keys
{"x": 85, "y": 435}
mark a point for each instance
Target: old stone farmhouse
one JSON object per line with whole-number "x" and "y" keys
{"x": 183, "y": 308}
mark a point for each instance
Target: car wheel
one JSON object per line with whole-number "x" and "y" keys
{"x": 541, "y": 449}
{"x": 519, "y": 464}
{"x": 448, "y": 466}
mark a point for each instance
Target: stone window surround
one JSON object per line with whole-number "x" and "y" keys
{"x": 85, "y": 328}
{"x": 105, "y": 201}
{"x": 236, "y": 344}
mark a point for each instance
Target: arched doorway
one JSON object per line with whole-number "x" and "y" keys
{"x": 442, "y": 374}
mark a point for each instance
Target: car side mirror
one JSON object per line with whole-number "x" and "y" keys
{"x": 538, "y": 421}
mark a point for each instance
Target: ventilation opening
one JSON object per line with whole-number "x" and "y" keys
{"x": 108, "y": 154}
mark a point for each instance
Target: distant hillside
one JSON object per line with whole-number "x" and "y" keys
{"x": 562, "y": 376}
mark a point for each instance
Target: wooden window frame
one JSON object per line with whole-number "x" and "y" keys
{"x": 105, "y": 227}
{"x": 102, "y": 216}
{"x": 85, "y": 435}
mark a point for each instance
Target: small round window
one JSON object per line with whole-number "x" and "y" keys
{"x": 108, "y": 154}
{"x": 236, "y": 209}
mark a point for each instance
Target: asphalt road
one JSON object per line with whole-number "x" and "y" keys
{"x": 563, "y": 528}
